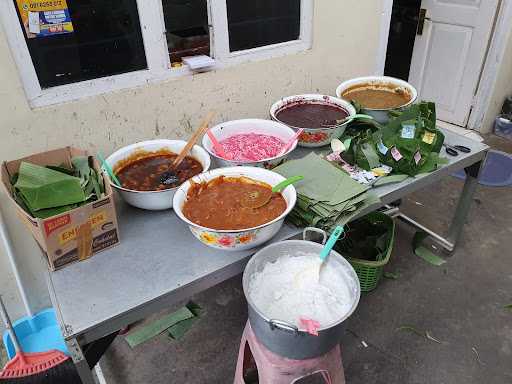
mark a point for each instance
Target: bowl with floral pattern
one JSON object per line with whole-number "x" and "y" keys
{"x": 315, "y": 134}
{"x": 243, "y": 239}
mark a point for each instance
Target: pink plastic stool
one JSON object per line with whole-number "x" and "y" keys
{"x": 274, "y": 369}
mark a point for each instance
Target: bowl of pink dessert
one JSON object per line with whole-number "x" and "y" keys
{"x": 251, "y": 142}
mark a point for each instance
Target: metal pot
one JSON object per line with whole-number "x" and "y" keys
{"x": 286, "y": 339}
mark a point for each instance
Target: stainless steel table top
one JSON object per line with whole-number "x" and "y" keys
{"x": 158, "y": 259}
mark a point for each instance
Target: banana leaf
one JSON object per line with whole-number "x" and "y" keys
{"x": 418, "y": 154}
{"x": 61, "y": 168}
{"x": 44, "y": 188}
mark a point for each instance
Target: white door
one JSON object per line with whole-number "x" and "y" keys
{"x": 449, "y": 55}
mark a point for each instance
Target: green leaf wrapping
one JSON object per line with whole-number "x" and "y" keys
{"x": 48, "y": 191}
{"x": 44, "y": 188}
{"x": 423, "y": 117}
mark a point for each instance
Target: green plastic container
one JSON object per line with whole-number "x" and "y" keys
{"x": 377, "y": 232}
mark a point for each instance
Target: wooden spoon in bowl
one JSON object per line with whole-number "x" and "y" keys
{"x": 170, "y": 177}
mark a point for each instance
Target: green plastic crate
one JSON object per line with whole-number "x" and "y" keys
{"x": 369, "y": 272}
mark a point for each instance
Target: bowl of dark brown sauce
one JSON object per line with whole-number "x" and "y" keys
{"x": 322, "y": 117}
{"x": 142, "y": 168}
{"x": 378, "y": 95}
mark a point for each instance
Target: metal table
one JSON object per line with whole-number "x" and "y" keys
{"x": 160, "y": 263}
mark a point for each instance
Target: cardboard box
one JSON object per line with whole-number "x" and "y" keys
{"x": 77, "y": 234}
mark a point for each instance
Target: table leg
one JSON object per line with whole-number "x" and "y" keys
{"x": 464, "y": 204}
{"x": 461, "y": 212}
{"x": 81, "y": 364}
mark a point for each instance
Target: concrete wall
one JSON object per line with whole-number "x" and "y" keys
{"x": 346, "y": 36}
{"x": 502, "y": 89}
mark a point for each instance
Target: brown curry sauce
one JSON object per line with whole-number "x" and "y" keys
{"x": 143, "y": 170}
{"x": 216, "y": 204}
{"x": 378, "y": 97}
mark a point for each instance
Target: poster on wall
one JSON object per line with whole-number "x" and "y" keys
{"x": 43, "y": 18}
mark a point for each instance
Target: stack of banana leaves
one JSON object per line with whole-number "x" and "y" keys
{"x": 327, "y": 196}
{"x": 47, "y": 191}
{"x": 409, "y": 143}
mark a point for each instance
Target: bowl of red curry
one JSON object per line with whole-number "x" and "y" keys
{"x": 212, "y": 205}
{"x": 142, "y": 170}
{"x": 322, "y": 117}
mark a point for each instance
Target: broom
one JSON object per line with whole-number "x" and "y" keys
{"x": 52, "y": 367}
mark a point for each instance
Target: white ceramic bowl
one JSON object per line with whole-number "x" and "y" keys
{"x": 315, "y": 136}
{"x": 265, "y": 127}
{"x": 380, "y": 115}
{"x": 236, "y": 240}
{"x": 154, "y": 200}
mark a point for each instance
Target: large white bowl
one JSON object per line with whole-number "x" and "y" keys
{"x": 154, "y": 200}
{"x": 380, "y": 115}
{"x": 236, "y": 240}
{"x": 315, "y": 136}
{"x": 265, "y": 127}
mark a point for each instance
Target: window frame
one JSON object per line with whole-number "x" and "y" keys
{"x": 159, "y": 69}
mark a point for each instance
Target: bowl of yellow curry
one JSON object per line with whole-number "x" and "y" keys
{"x": 377, "y": 95}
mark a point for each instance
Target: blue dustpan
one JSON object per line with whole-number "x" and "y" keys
{"x": 36, "y": 334}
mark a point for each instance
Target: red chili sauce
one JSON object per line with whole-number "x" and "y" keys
{"x": 311, "y": 115}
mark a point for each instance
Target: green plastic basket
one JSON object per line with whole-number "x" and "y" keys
{"x": 370, "y": 272}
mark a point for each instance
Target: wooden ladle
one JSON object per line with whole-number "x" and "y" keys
{"x": 170, "y": 177}
{"x": 259, "y": 198}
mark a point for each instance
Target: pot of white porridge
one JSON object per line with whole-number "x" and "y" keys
{"x": 296, "y": 309}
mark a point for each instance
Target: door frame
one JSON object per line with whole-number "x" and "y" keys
{"x": 385, "y": 24}
{"x": 501, "y": 34}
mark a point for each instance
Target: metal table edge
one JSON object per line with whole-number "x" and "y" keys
{"x": 113, "y": 324}
{"x": 102, "y": 329}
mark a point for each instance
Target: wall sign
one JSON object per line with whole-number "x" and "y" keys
{"x": 42, "y": 18}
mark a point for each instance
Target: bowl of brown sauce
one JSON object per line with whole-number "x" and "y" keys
{"x": 212, "y": 205}
{"x": 378, "y": 95}
{"x": 141, "y": 168}
{"x": 322, "y": 117}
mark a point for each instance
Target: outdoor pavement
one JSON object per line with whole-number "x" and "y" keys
{"x": 460, "y": 304}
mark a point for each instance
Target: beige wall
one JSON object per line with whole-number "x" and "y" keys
{"x": 345, "y": 45}
{"x": 502, "y": 89}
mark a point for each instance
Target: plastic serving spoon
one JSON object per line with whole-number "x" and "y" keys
{"x": 289, "y": 144}
{"x": 326, "y": 250}
{"x": 348, "y": 119}
{"x": 109, "y": 170}
{"x": 257, "y": 199}
{"x": 219, "y": 150}
{"x": 170, "y": 177}
{"x": 313, "y": 271}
